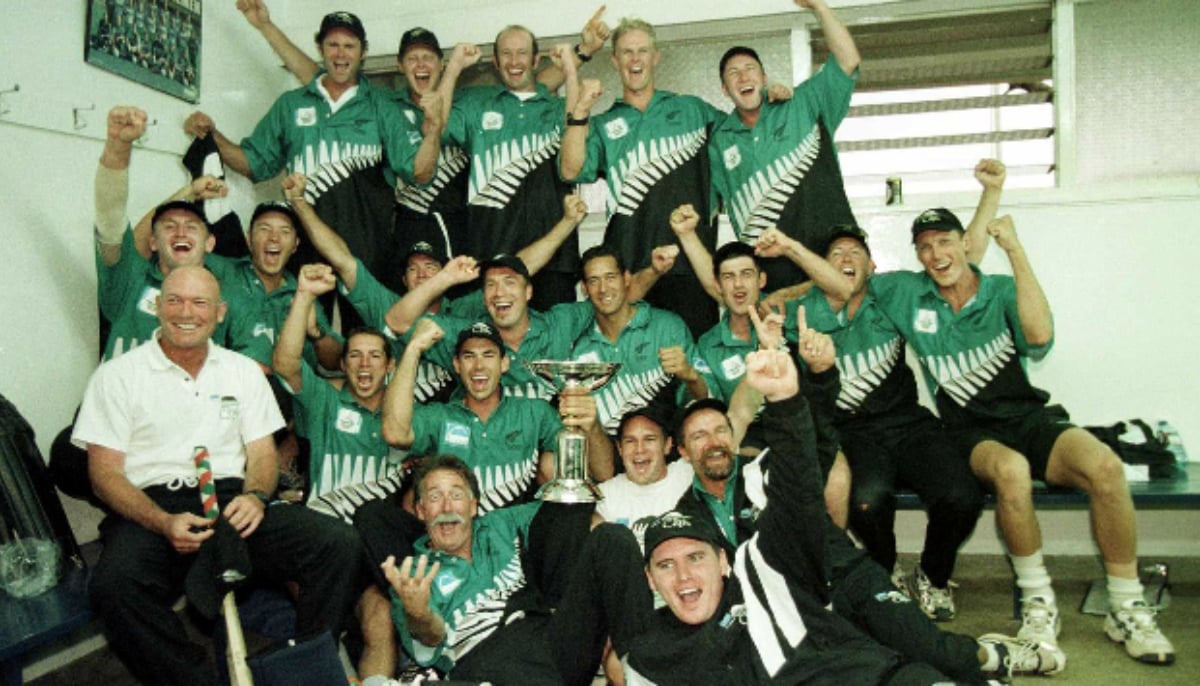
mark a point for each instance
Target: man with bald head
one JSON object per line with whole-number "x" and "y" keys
{"x": 145, "y": 416}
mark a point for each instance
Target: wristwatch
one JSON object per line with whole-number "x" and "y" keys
{"x": 572, "y": 121}
{"x": 578, "y": 53}
{"x": 260, "y": 494}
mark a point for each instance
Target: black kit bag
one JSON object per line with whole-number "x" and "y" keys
{"x": 1141, "y": 448}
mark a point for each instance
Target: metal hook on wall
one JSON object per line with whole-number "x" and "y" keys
{"x": 4, "y": 109}
{"x": 80, "y": 121}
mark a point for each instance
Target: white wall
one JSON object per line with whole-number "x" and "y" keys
{"x": 1118, "y": 261}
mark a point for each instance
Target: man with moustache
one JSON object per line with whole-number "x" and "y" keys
{"x": 144, "y": 416}
{"x": 733, "y": 498}
{"x": 520, "y": 596}
{"x": 773, "y": 163}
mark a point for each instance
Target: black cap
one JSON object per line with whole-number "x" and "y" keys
{"x": 508, "y": 262}
{"x": 479, "y": 330}
{"x": 734, "y": 52}
{"x": 676, "y": 524}
{"x": 653, "y": 412}
{"x": 341, "y": 20}
{"x": 839, "y": 231}
{"x": 936, "y": 219}
{"x": 418, "y": 36}
{"x": 426, "y": 248}
{"x": 694, "y": 407}
{"x": 179, "y": 205}
{"x": 275, "y": 206}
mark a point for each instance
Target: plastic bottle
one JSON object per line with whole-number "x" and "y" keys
{"x": 1168, "y": 435}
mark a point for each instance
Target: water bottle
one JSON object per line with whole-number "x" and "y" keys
{"x": 1169, "y": 437}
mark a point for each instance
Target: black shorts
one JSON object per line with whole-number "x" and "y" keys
{"x": 1033, "y": 435}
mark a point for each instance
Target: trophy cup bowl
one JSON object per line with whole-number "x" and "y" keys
{"x": 571, "y": 483}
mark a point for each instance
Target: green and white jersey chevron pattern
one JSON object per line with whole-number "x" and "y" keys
{"x": 973, "y": 360}
{"x": 498, "y": 171}
{"x": 471, "y": 596}
{"x": 633, "y": 174}
{"x": 451, "y": 164}
{"x": 758, "y": 202}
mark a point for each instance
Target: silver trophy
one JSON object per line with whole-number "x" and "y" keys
{"x": 571, "y": 483}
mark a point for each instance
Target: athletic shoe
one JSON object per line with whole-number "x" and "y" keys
{"x": 1039, "y": 620}
{"x": 936, "y": 603}
{"x": 1019, "y": 657}
{"x": 899, "y": 578}
{"x": 1133, "y": 624}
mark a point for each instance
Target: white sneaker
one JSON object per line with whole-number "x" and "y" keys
{"x": 1134, "y": 625}
{"x": 1039, "y": 620}
{"x": 1019, "y": 657}
{"x": 936, "y": 603}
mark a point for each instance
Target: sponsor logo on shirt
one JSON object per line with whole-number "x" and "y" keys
{"x": 229, "y": 407}
{"x": 926, "y": 321}
{"x": 616, "y": 128}
{"x": 306, "y": 116}
{"x": 148, "y": 303}
{"x": 412, "y": 116}
{"x": 513, "y": 439}
{"x": 349, "y": 421}
{"x": 733, "y": 157}
{"x": 261, "y": 329}
{"x": 447, "y": 582}
{"x": 456, "y": 434}
{"x": 589, "y": 357}
{"x": 733, "y": 367}
{"x": 414, "y": 137}
{"x": 701, "y": 365}
{"x": 492, "y": 121}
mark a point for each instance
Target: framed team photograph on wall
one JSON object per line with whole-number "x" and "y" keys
{"x": 153, "y": 42}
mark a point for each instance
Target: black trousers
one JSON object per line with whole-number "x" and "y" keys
{"x": 863, "y": 593}
{"x": 915, "y": 454}
{"x": 603, "y": 594}
{"x": 139, "y": 576}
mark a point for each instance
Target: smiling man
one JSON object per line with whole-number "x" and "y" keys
{"x": 650, "y": 149}
{"x": 144, "y": 417}
{"x": 658, "y": 357}
{"x": 973, "y": 333}
{"x": 520, "y": 596}
{"x": 649, "y": 485}
{"x": 788, "y": 177}
{"x": 335, "y": 130}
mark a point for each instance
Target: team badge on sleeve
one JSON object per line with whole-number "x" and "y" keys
{"x": 616, "y": 128}
{"x": 926, "y": 321}
{"x": 306, "y": 116}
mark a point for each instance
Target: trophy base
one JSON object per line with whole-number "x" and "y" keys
{"x": 569, "y": 491}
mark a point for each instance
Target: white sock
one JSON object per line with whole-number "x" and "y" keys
{"x": 1032, "y": 577}
{"x": 1121, "y": 591}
